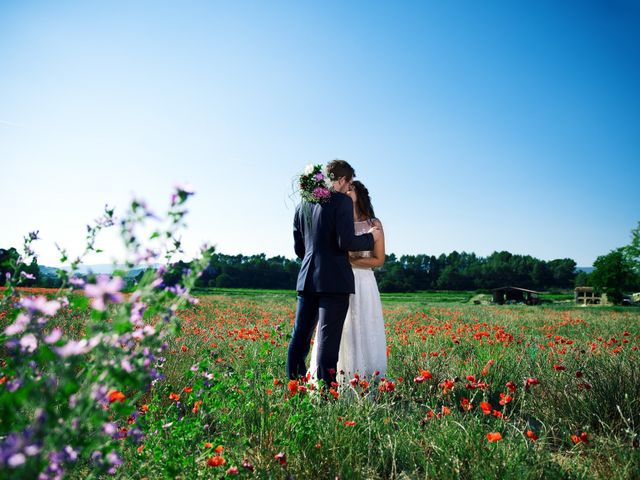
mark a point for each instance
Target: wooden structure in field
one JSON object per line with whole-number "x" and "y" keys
{"x": 510, "y": 294}
{"x": 586, "y": 296}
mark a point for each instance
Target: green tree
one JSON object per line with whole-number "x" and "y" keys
{"x": 632, "y": 251}
{"x": 541, "y": 275}
{"x": 582, "y": 279}
{"x": 614, "y": 274}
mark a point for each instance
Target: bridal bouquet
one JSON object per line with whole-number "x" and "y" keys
{"x": 314, "y": 184}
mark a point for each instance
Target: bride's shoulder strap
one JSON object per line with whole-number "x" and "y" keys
{"x": 375, "y": 222}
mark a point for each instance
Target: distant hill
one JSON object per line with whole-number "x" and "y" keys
{"x": 98, "y": 269}
{"x": 585, "y": 269}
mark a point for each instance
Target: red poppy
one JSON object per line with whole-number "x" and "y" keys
{"x": 196, "y": 406}
{"x": 494, "y": 436}
{"x": 511, "y": 386}
{"x": 504, "y": 399}
{"x": 116, "y": 396}
{"x": 486, "y": 408}
{"x": 582, "y": 438}
{"x": 184, "y": 348}
{"x": 281, "y": 458}
{"x": 485, "y": 370}
{"x": 386, "y": 386}
{"x": 293, "y": 387}
{"x": 216, "y": 461}
{"x": 424, "y": 375}
{"x": 447, "y": 386}
{"x": 219, "y": 449}
{"x": 466, "y": 404}
{"x": 187, "y": 389}
{"x": 174, "y": 396}
{"x": 532, "y": 435}
{"x": 350, "y": 423}
{"x": 531, "y": 381}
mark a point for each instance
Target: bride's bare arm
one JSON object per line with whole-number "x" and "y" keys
{"x": 377, "y": 255}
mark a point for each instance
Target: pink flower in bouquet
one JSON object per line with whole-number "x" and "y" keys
{"x": 320, "y": 192}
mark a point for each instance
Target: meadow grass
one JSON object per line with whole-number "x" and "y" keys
{"x": 559, "y": 384}
{"x": 583, "y": 407}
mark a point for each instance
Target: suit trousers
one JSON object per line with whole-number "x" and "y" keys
{"x": 329, "y": 312}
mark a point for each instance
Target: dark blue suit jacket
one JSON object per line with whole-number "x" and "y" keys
{"x": 323, "y": 235}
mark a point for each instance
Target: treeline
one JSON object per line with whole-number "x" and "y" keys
{"x": 408, "y": 273}
{"x": 467, "y": 271}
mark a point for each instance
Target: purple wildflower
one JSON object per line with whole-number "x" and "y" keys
{"x": 28, "y": 343}
{"x": 71, "y": 454}
{"x": 32, "y": 450}
{"x": 77, "y": 282}
{"x": 103, "y": 291}
{"x": 40, "y": 304}
{"x": 78, "y": 347}
{"x": 110, "y": 429}
{"x": 126, "y": 365}
{"x": 113, "y": 458}
{"x": 14, "y": 385}
{"x": 19, "y": 326}
{"x": 54, "y": 336}
{"x": 16, "y": 460}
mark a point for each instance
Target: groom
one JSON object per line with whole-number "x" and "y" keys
{"x": 323, "y": 235}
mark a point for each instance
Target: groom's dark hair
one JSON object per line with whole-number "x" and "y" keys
{"x": 340, "y": 168}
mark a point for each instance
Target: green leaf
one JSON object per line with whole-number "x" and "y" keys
{"x": 121, "y": 324}
{"x": 79, "y": 301}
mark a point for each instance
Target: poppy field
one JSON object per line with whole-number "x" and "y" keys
{"x": 471, "y": 392}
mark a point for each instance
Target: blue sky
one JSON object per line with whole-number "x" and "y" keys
{"x": 477, "y": 126}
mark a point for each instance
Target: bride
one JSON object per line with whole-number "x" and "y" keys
{"x": 363, "y": 350}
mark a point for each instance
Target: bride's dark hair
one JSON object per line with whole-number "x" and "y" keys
{"x": 363, "y": 202}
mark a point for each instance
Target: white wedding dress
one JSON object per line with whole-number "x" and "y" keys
{"x": 363, "y": 348}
